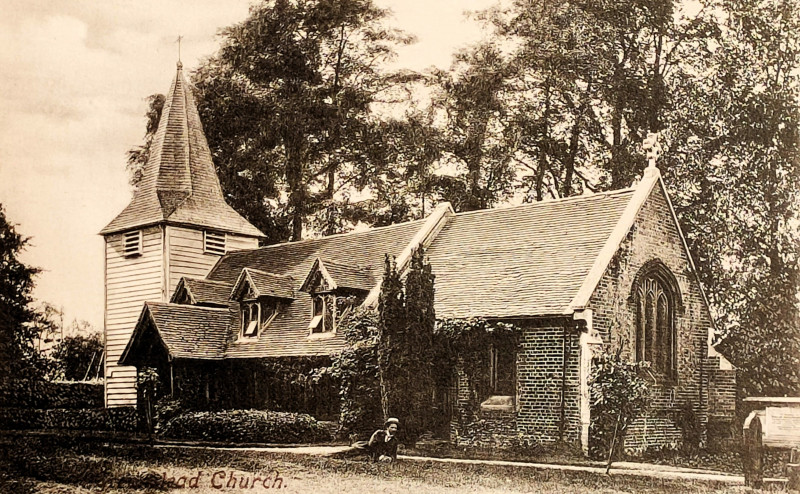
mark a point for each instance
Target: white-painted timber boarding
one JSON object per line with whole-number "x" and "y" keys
{"x": 159, "y": 237}
{"x": 130, "y": 281}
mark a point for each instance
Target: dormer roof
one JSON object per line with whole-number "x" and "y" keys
{"x": 261, "y": 284}
{"x": 338, "y": 275}
{"x": 179, "y": 184}
{"x": 202, "y": 292}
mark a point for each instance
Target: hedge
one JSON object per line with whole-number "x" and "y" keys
{"x": 121, "y": 419}
{"x": 248, "y": 426}
{"x": 48, "y": 394}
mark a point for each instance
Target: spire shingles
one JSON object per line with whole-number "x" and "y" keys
{"x": 179, "y": 184}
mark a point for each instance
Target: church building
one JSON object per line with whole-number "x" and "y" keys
{"x": 177, "y": 225}
{"x": 188, "y": 291}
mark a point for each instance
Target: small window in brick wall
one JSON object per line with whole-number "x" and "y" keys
{"x": 214, "y": 243}
{"x": 132, "y": 243}
{"x": 502, "y": 372}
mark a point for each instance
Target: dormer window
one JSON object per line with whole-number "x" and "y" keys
{"x": 214, "y": 243}
{"x": 323, "y": 313}
{"x": 251, "y": 319}
{"x": 132, "y": 243}
{"x": 256, "y": 316}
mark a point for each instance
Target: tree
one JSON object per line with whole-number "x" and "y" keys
{"x": 406, "y": 345}
{"x": 356, "y": 371}
{"x": 18, "y": 357}
{"x": 476, "y": 143}
{"x": 79, "y": 357}
{"x": 287, "y": 109}
{"x": 419, "y": 345}
{"x": 619, "y": 394}
{"x": 746, "y": 209}
{"x": 138, "y": 156}
{"x": 391, "y": 338}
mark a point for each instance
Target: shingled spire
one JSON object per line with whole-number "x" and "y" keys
{"x": 179, "y": 184}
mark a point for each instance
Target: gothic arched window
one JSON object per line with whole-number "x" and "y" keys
{"x": 656, "y": 298}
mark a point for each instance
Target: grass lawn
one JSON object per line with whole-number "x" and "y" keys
{"x": 63, "y": 466}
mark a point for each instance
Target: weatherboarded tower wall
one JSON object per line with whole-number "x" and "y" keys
{"x": 168, "y": 253}
{"x": 177, "y": 225}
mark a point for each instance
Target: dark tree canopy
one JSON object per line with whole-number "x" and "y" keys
{"x": 79, "y": 357}
{"x": 18, "y": 357}
{"x": 287, "y": 106}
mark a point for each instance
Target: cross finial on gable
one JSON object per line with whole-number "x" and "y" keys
{"x": 653, "y": 148}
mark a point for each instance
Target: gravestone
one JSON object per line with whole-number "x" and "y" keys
{"x": 773, "y": 427}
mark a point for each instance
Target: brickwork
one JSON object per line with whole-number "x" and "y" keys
{"x": 541, "y": 378}
{"x": 654, "y": 236}
{"x": 537, "y": 414}
{"x": 721, "y": 390}
{"x": 548, "y": 356}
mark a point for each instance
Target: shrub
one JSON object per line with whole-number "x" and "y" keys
{"x": 250, "y": 426}
{"x": 121, "y": 419}
{"x": 47, "y": 394}
{"x": 619, "y": 395}
{"x": 79, "y": 356}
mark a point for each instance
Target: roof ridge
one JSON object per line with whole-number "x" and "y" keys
{"x": 185, "y": 306}
{"x": 206, "y": 280}
{"x": 560, "y": 200}
{"x": 344, "y": 265}
{"x": 259, "y": 271}
{"x": 335, "y": 235}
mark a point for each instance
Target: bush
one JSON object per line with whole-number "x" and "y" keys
{"x": 47, "y": 394}
{"x": 121, "y": 419}
{"x": 79, "y": 356}
{"x": 619, "y": 395}
{"x": 250, "y": 426}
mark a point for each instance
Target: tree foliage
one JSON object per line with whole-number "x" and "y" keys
{"x": 737, "y": 189}
{"x": 138, "y": 155}
{"x": 18, "y": 357}
{"x": 419, "y": 344}
{"x": 355, "y": 369}
{"x": 79, "y": 357}
{"x": 391, "y": 337}
{"x": 619, "y": 394}
{"x": 287, "y": 109}
{"x": 406, "y": 345}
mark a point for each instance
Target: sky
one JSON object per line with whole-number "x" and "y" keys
{"x": 75, "y": 75}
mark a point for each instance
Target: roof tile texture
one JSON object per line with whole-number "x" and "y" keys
{"x": 179, "y": 184}
{"x": 522, "y": 261}
{"x": 190, "y": 331}
{"x": 515, "y": 262}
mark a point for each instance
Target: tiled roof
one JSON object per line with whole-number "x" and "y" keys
{"x": 187, "y": 331}
{"x": 522, "y": 261}
{"x": 179, "y": 184}
{"x": 287, "y": 335}
{"x": 528, "y": 260}
{"x": 266, "y": 284}
{"x": 340, "y": 276}
{"x": 365, "y": 249}
{"x": 349, "y": 276}
{"x": 205, "y": 291}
